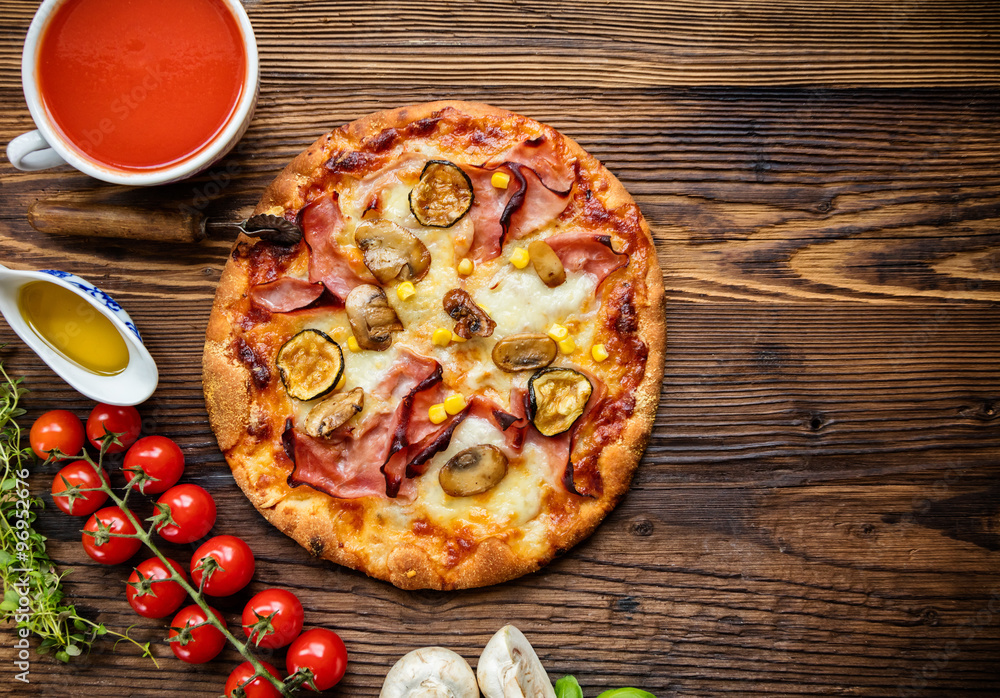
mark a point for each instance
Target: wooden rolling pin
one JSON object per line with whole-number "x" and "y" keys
{"x": 116, "y": 214}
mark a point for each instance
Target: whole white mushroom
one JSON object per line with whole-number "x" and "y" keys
{"x": 509, "y": 668}
{"x": 430, "y": 672}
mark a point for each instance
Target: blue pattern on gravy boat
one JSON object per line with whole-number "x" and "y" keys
{"x": 98, "y": 295}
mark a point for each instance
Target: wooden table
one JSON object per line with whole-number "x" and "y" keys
{"x": 819, "y": 509}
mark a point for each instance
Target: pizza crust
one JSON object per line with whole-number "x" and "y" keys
{"x": 328, "y": 527}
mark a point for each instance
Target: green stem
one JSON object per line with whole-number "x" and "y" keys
{"x": 196, "y": 594}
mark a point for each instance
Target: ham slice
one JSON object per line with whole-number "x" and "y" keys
{"x": 405, "y": 169}
{"x": 361, "y": 462}
{"x": 321, "y": 223}
{"x": 540, "y": 204}
{"x": 587, "y": 253}
{"x": 341, "y": 467}
{"x": 286, "y": 294}
{"x": 524, "y": 206}
{"x": 488, "y": 205}
{"x": 547, "y": 157}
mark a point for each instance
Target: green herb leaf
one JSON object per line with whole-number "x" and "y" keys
{"x": 626, "y": 693}
{"x": 568, "y": 687}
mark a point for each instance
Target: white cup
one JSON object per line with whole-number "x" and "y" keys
{"x": 45, "y": 147}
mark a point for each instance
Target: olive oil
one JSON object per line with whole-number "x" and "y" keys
{"x": 73, "y": 327}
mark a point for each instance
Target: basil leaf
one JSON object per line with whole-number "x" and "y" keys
{"x": 627, "y": 692}
{"x": 568, "y": 687}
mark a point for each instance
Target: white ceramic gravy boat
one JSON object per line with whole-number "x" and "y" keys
{"x": 129, "y": 387}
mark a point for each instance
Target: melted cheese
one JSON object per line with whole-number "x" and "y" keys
{"x": 518, "y": 301}
{"x": 514, "y": 501}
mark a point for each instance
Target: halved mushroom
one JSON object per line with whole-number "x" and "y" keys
{"x": 333, "y": 412}
{"x": 391, "y": 252}
{"x": 557, "y": 398}
{"x": 473, "y": 471}
{"x": 510, "y": 668}
{"x": 430, "y": 672}
{"x": 547, "y": 264}
{"x": 310, "y": 364}
{"x": 442, "y": 196}
{"x": 470, "y": 319}
{"x": 372, "y": 318}
{"x": 524, "y": 352}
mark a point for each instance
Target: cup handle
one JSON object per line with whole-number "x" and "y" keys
{"x": 30, "y": 151}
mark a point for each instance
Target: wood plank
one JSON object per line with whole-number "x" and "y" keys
{"x": 611, "y": 45}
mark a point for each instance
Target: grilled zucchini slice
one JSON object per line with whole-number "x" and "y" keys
{"x": 442, "y": 196}
{"x": 557, "y": 398}
{"x": 310, "y": 364}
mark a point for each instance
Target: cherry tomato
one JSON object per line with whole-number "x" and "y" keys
{"x": 80, "y": 473}
{"x": 236, "y": 565}
{"x": 206, "y": 642}
{"x": 56, "y": 429}
{"x": 115, "y": 550}
{"x": 323, "y": 652}
{"x": 286, "y": 620}
{"x": 258, "y": 688}
{"x": 118, "y": 420}
{"x": 163, "y": 598}
{"x": 160, "y": 458}
{"x": 193, "y": 510}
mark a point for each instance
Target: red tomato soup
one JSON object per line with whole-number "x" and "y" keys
{"x": 141, "y": 85}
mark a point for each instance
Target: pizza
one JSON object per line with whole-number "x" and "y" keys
{"x": 435, "y": 352}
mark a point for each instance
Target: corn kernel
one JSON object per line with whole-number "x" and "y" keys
{"x": 599, "y": 352}
{"x": 441, "y": 336}
{"x": 484, "y": 308}
{"x": 520, "y": 258}
{"x": 453, "y": 404}
{"x": 567, "y": 346}
{"x": 456, "y": 338}
{"x": 466, "y": 266}
{"x": 352, "y": 343}
{"x": 340, "y": 383}
{"x": 437, "y": 413}
{"x": 500, "y": 180}
{"x": 405, "y": 290}
{"x": 558, "y": 332}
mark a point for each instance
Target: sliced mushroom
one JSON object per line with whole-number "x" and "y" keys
{"x": 310, "y": 364}
{"x": 430, "y": 672}
{"x": 333, "y": 413}
{"x": 557, "y": 398}
{"x": 391, "y": 252}
{"x": 524, "y": 352}
{"x": 442, "y": 196}
{"x": 470, "y": 319}
{"x": 509, "y": 668}
{"x": 473, "y": 471}
{"x": 372, "y": 318}
{"x": 547, "y": 264}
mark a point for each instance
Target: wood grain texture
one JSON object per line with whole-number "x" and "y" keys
{"x": 818, "y": 510}
{"x": 603, "y": 45}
